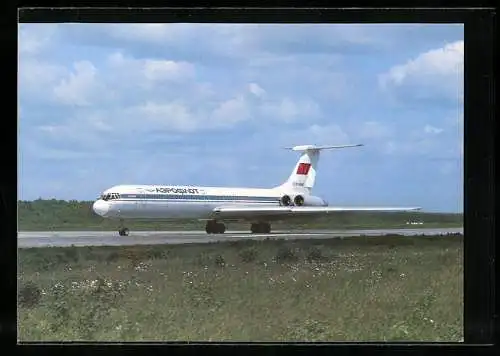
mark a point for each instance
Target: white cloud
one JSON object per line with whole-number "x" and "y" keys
{"x": 172, "y": 116}
{"x": 80, "y": 87}
{"x": 149, "y": 32}
{"x": 288, "y": 110}
{"x": 35, "y": 39}
{"x": 231, "y": 112}
{"x": 159, "y": 70}
{"x": 312, "y": 134}
{"x": 329, "y": 133}
{"x": 35, "y": 76}
{"x": 428, "y": 141}
{"x": 135, "y": 74}
{"x": 432, "y": 130}
{"x": 80, "y": 135}
{"x": 373, "y": 130}
{"x": 436, "y": 72}
{"x": 34, "y": 148}
{"x": 256, "y": 90}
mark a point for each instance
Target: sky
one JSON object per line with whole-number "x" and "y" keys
{"x": 215, "y": 104}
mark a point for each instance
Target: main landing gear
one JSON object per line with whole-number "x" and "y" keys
{"x": 214, "y": 227}
{"x": 263, "y": 228}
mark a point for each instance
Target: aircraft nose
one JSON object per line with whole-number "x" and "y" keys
{"x": 101, "y": 207}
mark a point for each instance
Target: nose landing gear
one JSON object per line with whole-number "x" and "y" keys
{"x": 123, "y": 231}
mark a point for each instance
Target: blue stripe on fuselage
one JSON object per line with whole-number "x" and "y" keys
{"x": 192, "y": 197}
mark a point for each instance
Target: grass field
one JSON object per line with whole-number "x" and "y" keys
{"x": 352, "y": 289}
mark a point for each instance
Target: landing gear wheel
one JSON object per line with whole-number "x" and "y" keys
{"x": 210, "y": 227}
{"x": 123, "y": 231}
{"x": 213, "y": 227}
{"x": 220, "y": 228}
{"x": 254, "y": 228}
{"x": 264, "y": 228}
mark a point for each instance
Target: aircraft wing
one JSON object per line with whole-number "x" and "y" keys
{"x": 248, "y": 212}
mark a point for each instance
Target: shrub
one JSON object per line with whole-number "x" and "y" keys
{"x": 220, "y": 261}
{"x": 71, "y": 254}
{"x": 285, "y": 254}
{"x": 315, "y": 254}
{"x": 112, "y": 256}
{"x": 248, "y": 254}
{"x": 157, "y": 253}
{"x": 97, "y": 303}
{"x": 29, "y": 295}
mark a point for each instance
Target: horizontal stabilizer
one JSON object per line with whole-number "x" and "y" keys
{"x": 318, "y": 148}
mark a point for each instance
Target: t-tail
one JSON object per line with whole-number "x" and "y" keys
{"x": 303, "y": 175}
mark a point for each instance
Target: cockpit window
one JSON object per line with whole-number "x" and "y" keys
{"x": 110, "y": 196}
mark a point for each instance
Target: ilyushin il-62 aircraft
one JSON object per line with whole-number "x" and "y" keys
{"x": 219, "y": 205}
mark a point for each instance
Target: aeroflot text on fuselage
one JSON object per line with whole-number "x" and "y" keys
{"x": 167, "y": 190}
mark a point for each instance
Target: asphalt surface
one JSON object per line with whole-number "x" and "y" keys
{"x": 111, "y": 238}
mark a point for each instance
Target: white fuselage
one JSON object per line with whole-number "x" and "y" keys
{"x": 190, "y": 202}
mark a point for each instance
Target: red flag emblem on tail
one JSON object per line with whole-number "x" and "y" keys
{"x": 303, "y": 168}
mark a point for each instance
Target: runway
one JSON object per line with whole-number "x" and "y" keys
{"x": 110, "y": 238}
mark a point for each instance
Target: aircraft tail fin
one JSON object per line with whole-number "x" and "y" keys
{"x": 303, "y": 175}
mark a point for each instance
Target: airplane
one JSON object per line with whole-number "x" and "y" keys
{"x": 217, "y": 205}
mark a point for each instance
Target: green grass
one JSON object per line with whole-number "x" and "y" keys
{"x": 352, "y": 289}
{"x": 78, "y": 215}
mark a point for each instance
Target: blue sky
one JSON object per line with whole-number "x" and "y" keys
{"x": 213, "y": 104}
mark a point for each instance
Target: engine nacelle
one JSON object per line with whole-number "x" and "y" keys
{"x": 286, "y": 200}
{"x": 308, "y": 200}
